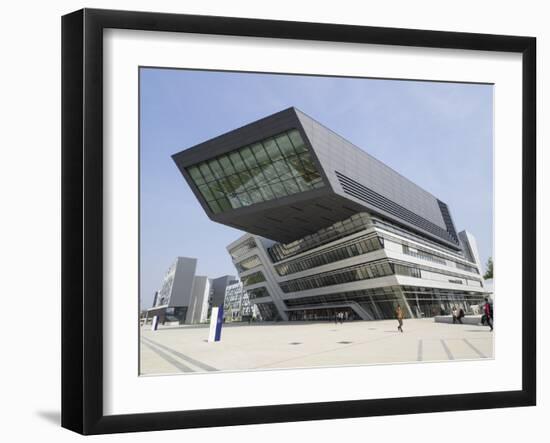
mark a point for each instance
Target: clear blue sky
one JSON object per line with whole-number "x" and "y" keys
{"x": 439, "y": 135}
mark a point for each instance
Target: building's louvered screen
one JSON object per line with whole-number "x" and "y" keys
{"x": 361, "y": 192}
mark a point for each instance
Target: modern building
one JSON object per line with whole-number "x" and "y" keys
{"x": 186, "y": 298}
{"x": 329, "y": 227}
{"x": 237, "y": 306}
{"x": 218, "y": 289}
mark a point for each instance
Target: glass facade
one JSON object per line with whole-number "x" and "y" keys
{"x": 403, "y": 268}
{"x": 379, "y": 303}
{"x": 423, "y": 255}
{"x": 252, "y": 279}
{"x": 356, "y": 247}
{"x": 428, "y": 302}
{"x": 409, "y": 271}
{"x": 248, "y": 263}
{"x": 266, "y": 170}
{"x": 163, "y": 296}
{"x": 364, "y": 271}
{"x": 236, "y": 305}
{"x": 392, "y": 227}
{"x": 175, "y": 314}
{"x": 430, "y": 256}
{"x": 268, "y": 312}
{"x": 258, "y": 293}
{"x": 322, "y": 314}
{"x": 355, "y": 223}
{"x": 243, "y": 248}
{"x": 467, "y": 267}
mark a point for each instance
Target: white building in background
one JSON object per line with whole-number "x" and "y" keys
{"x": 237, "y": 306}
{"x": 186, "y": 298}
{"x": 198, "y": 308}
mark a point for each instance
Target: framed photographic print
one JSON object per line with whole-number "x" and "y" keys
{"x": 268, "y": 221}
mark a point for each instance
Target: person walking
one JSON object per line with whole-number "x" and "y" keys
{"x": 399, "y": 315}
{"x": 488, "y": 311}
{"x": 460, "y": 315}
{"x": 455, "y": 314}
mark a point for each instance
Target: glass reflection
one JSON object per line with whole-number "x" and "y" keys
{"x": 272, "y": 168}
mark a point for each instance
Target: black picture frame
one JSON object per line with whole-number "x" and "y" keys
{"x": 82, "y": 215}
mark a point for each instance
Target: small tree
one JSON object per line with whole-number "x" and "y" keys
{"x": 489, "y": 273}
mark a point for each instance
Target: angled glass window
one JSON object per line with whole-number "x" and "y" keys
{"x": 291, "y": 186}
{"x": 279, "y": 190}
{"x": 267, "y": 193}
{"x": 226, "y": 165}
{"x": 259, "y": 177}
{"x": 248, "y": 264}
{"x": 270, "y": 173}
{"x": 235, "y": 183}
{"x": 216, "y": 190}
{"x": 256, "y": 195}
{"x": 244, "y": 248}
{"x": 284, "y": 144}
{"x": 258, "y": 293}
{"x": 196, "y": 175}
{"x": 272, "y": 149}
{"x": 224, "y": 203}
{"x": 252, "y": 279}
{"x": 248, "y": 158}
{"x": 266, "y": 170}
{"x": 216, "y": 168}
{"x": 206, "y": 173}
{"x": 215, "y": 206}
{"x": 237, "y": 161}
{"x": 205, "y": 191}
{"x": 245, "y": 198}
{"x": 297, "y": 140}
{"x": 259, "y": 153}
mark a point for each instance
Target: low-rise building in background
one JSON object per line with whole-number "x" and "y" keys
{"x": 186, "y": 298}
{"x": 237, "y": 306}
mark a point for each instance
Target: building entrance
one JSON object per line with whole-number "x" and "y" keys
{"x": 322, "y": 314}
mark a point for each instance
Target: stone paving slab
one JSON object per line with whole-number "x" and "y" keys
{"x": 184, "y": 349}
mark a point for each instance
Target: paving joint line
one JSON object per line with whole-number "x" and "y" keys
{"x": 419, "y": 352}
{"x": 476, "y": 350}
{"x": 335, "y": 349}
{"x": 180, "y": 366}
{"x": 447, "y": 350}
{"x": 184, "y": 357}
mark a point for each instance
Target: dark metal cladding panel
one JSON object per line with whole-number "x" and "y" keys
{"x": 237, "y": 138}
{"x": 355, "y": 174}
{"x": 387, "y": 206}
{"x": 446, "y": 213}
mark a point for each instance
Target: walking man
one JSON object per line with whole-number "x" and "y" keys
{"x": 460, "y": 315}
{"x": 488, "y": 311}
{"x": 399, "y": 315}
{"x": 455, "y": 314}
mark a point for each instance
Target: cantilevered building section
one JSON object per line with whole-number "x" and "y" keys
{"x": 330, "y": 228}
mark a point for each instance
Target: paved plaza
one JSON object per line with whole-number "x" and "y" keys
{"x": 185, "y": 349}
